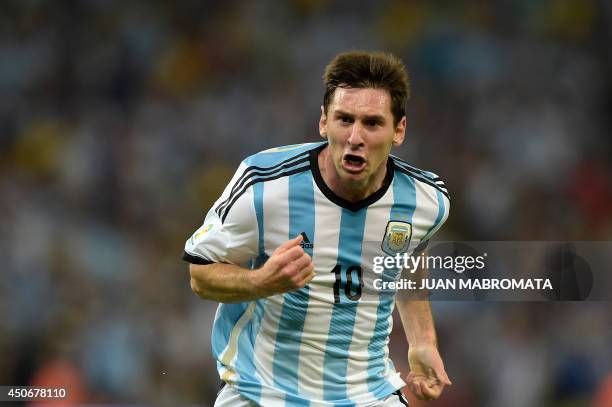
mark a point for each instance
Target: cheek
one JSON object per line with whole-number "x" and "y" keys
{"x": 379, "y": 151}
{"x": 385, "y": 143}
{"x": 337, "y": 138}
{"x": 380, "y": 144}
{"x": 336, "y": 146}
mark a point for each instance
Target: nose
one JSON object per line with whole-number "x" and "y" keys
{"x": 356, "y": 137}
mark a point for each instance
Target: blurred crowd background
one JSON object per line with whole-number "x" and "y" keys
{"x": 121, "y": 122}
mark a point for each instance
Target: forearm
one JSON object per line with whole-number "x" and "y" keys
{"x": 223, "y": 282}
{"x": 417, "y": 321}
{"x": 427, "y": 376}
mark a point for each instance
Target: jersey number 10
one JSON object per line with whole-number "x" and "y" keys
{"x": 352, "y": 292}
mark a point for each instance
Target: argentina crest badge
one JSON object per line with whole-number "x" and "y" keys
{"x": 397, "y": 237}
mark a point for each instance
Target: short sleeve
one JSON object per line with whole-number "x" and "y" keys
{"x": 229, "y": 233}
{"x": 441, "y": 217}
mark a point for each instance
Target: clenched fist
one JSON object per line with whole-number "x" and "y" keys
{"x": 289, "y": 268}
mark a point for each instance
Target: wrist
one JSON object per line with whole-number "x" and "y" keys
{"x": 255, "y": 284}
{"x": 423, "y": 341}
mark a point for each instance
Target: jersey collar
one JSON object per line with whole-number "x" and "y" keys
{"x": 329, "y": 194}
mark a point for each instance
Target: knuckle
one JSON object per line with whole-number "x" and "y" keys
{"x": 289, "y": 271}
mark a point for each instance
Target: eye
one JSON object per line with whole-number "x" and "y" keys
{"x": 371, "y": 123}
{"x": 346, "y": 119}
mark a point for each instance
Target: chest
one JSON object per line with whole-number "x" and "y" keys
{"x": 333, "y": 234}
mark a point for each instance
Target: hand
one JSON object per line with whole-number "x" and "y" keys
{"x": 427, "y": 376}
{"x": 289, "y": 268}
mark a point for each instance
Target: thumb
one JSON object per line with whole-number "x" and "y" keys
{"x": 441, "y": 375}
{"x": 289, "y": 244}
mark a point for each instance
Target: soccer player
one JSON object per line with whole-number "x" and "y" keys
{"x": 286, "y": 247}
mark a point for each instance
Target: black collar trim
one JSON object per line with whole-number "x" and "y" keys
{"x": 329, "y": 194}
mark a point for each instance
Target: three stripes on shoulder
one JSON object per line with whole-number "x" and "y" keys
{"x": 427, "y": 177}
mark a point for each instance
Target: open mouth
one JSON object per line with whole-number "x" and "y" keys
{"x": 353, "y": 163}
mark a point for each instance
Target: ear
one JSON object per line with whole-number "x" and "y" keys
{"x": 400, "y": 132}
{"x": 323, "y": 123}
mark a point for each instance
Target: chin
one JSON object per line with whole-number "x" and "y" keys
{"x": 357, "y": 180}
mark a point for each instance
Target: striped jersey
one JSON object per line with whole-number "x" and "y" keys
{"x": 324, "y": 344}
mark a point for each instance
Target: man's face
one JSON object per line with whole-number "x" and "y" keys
{"x": 359, "y": 127}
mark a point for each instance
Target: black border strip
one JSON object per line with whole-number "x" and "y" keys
{"x": 436, "y": 179}
{"x": 407, "y": 164}
{"x": 257, "y": 180}
{"x": 425, "y": 180}
{"x": 196, "y": 259}
{"x": 399, "y": 394}
{"x": 237, "y": 187}
{"x": 246, "y": 175}
{"x": 418, "y": 172}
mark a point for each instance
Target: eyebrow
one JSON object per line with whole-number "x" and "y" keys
{"x": 366, "y": 117}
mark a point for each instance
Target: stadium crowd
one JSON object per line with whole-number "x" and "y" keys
{"x": 120, "y": 123}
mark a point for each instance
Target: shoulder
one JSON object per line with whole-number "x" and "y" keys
{"x": 426, "y": 179}
{"x": 279, "y": 161}
{"x": 275, "y": 163}
{"x": 262, "y": 167}
{"x": 281, "y": 155}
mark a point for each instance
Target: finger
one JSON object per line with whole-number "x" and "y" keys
{"x": 307, "y": 279}
{"x": 423, "y": 387}
{"x": 289, "y": 244}
{"x": 413, "y": 377}
{"x": 415, "y": 389}
{"x": 431, "y": 391}
{"x": 425, "y": 390}
{"x": 304, "y": 274}
{"x": 294, "y": 274}
{"x": 440, "y": 373}
{"x": 443, "y": 377}
{"x": 301, "y": 262}
{"x": 308, "y": 271}
{"x": 289, "y": 256}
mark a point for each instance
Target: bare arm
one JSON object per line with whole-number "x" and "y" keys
{"x": 427, "y": 376}
{"x": 415, "y": 311}
{"x": 289, "y": 268}
{"x": 418, "y": 322}
{"x": 222, "y": 282}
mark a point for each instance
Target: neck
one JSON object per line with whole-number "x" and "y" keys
{"x": 350, "y": 191}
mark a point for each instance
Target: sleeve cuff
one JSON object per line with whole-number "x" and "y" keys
{"x": 190, "y": 258}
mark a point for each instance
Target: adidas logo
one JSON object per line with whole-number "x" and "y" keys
{"x": 306, "y": 244}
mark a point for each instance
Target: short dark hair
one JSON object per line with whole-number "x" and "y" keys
{"x": 361, "y": 69}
